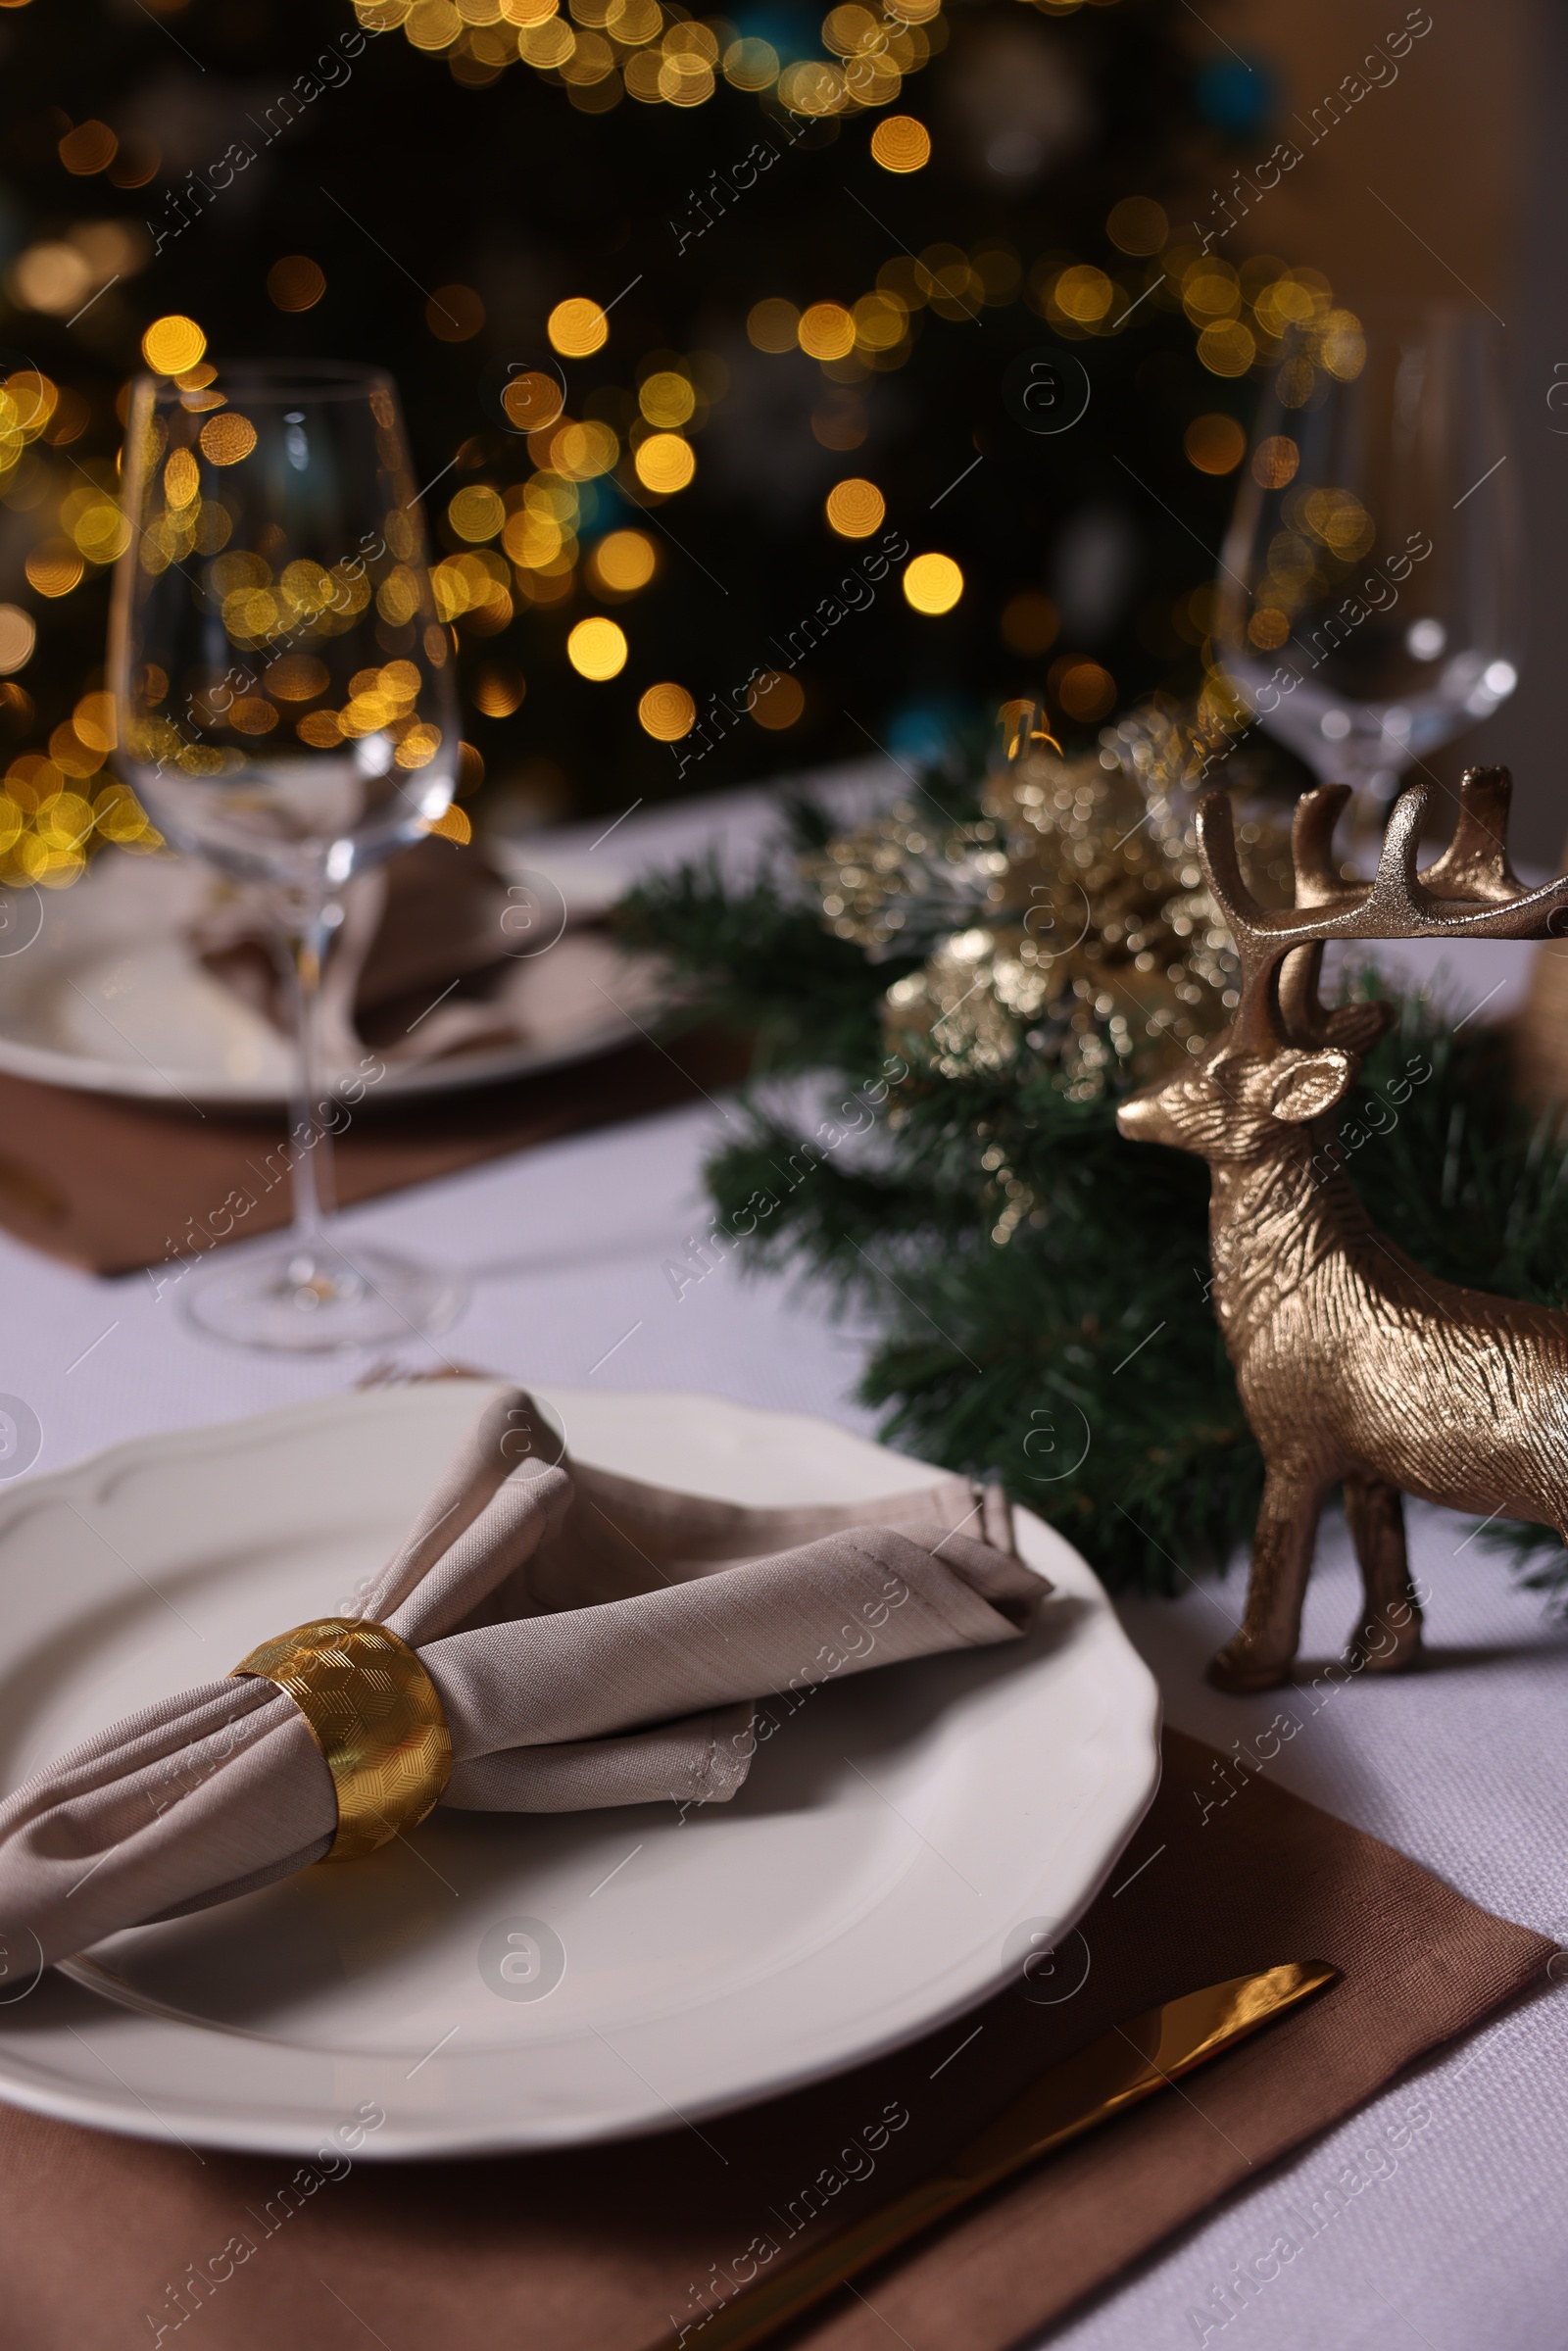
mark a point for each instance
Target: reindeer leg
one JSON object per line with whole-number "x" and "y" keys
{"x": 1259, "y": 1656}
{"x": 1389, "y": 1636}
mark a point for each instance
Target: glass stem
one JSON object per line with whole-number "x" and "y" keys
{"x": 306, "y": 943}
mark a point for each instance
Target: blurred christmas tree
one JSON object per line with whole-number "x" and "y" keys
{"x": 727, "y": 346}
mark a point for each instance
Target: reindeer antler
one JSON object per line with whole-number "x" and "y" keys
{"x": 1471, "y": 892}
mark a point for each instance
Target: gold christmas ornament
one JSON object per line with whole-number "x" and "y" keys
{"x": 1355, "y": 1365}
{"x": 1071, "y": 919}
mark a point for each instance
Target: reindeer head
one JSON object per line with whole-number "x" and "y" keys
{"x": 1237, "y": 1104}
{"x": 1284, "y": 1062}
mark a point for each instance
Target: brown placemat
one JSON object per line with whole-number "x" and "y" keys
{"x": 108, "y": 2240}
{"x": 114, "y": 1185}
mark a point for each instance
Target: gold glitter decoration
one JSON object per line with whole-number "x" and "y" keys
{"x": 1071, "y": 919}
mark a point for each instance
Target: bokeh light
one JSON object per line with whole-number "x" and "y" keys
{"x": 18, "y": 636}
{"x": 597, "y": 648}
{"x": 1275, "y": 460}
{"x": 667, "y": 398}
{"x": 666, "y": 712}
{"x": 1086, "y": 691}
{"x": 900, "y": 143}
{"x": 90, "y": 147}
{"x": 295, "y": 282}
{"x": 664, "y": 463}
{"x": 775, "y": 700}
{"x": 624, "y": 560}
{"x": 774, "y": 324}
{"x": 576, "y": 328}
{"x": 855, "y": 507}
{"x": 933, "y": 583}
{"x": 826, "y": 331}
{"x": 532, "y": 399}
{"x": 454, "y": 314}
{"x": 53, "y": 567}
{"x": 1137, "y": 224}
{"x": 476, "y": 513}
{"x": 172, "y": 345}
{"x": 227, "y": 437}
{"x": 1214, "y": 444}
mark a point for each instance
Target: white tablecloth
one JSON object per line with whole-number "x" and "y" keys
{"x": 1463, "y": 1765}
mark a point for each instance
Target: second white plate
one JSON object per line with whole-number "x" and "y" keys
{"x": 100, "y": 992}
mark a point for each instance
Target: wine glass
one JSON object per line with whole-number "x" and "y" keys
{"x": 286, "y": 711}
{"x": 1367, "y": 603}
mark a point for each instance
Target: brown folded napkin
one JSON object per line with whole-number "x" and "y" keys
{"x": 615, "y": 2249}
{"x": 435, "y": 956}
{"x": 116, "y": 1185}
{"x": 592, "y": 1640}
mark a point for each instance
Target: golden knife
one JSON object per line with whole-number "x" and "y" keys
{"x": 1124, "y": 2065}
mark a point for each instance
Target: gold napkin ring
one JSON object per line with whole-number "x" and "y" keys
{"x": 375, "y": 1714}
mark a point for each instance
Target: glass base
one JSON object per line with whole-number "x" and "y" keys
{"x": 313, "y": 1299}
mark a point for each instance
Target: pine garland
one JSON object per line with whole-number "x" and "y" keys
{"x": 1078, "y": 1358}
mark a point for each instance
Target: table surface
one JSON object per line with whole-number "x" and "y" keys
{"x": 1462, "y": 1765}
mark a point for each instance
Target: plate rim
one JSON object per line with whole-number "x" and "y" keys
{"x": 82, "y": 1073}
{"x": 414, "y": 2138}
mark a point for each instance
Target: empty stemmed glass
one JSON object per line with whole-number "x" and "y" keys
{"x": 286, "y": 711}
{"x": 1367, "y": 602}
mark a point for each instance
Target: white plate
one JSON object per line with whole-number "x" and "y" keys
{"x": 98, "y": 990}
{"x": 861, "y": 1888}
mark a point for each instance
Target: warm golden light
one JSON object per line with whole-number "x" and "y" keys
{"x": 532, "y": 401}
{"x": 775, "y": 701}
{"x": 664, "y": 463}
{"x": 751, "y": 65}
{"x": 666, "y": 712}
{"x": 597, "y": 648}
{"x": 667, "y": 399}
{"x": 578, "y": 327}
{"x": 1137, "y": 224}
{"x": 1083, "y": 293}
{"x": 933, "y": 583}
{"x": 297, "y": 677}
{"x": 1227, "y": 348}
{"x": 900, "y": 143}
{"x": 772, "y": 324}
{"x": 18, "y": 636}
{"x": 624, "y": 560}
{"x": 295, "y": 282}
{"x": 90, "y": 147}
{"x": 181, "y": 478}
{"x": 826, "y": 331}
{"x": 172, "y": 345}
{"x": 454, "y": 314}
{"x": 227, "y": 437}
{"x": 54, "y": 566}
{"x": 1275, "y": 460}
{"x": 855, "y": 507}
{"x": 1087, "y": 691}
{"x": 476, "y": 513}
{"x": 1214, "y": 444}
{"x": 498, "y": 692}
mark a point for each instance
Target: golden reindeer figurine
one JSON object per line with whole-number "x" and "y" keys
{"x": 1355, "y": 1365}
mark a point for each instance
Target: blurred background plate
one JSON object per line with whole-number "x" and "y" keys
{"x": 893, "y": 1852}
{"x": 109, "y": 998}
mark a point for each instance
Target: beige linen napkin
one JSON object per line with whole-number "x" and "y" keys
{"x": 593, "y": 1642}
{"x": 435, "y": 956}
